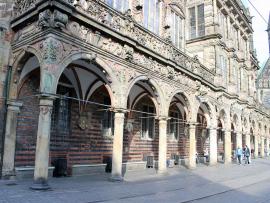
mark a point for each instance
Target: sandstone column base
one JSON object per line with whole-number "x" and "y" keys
{"x": 40, "y": 184}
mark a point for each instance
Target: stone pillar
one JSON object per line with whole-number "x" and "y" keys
{"x": 117, "y": 155}
{"x": 238, "y": 139}
{"x": 162, "y": 153}
{"x": 8, "y": 170}
{"x": 267, "y": 146}
{"x": 262, "y": 147}
{"x": 213, "y": 146}
{"x": 248, "y": 140}
{"x": 227, "y": 147}
{"x": 192, "y": 146}
{"x": 256, "y": 146}
{"x": 43, "y": 144}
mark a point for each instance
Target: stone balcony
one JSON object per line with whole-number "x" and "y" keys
{"x": 122, "y": 24}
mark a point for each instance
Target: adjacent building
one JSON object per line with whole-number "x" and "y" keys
{"x": 130, "y": 84}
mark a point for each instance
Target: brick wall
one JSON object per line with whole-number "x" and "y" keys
{"x": 136, "y": 148}
{"x": 87, "y": 146}
{"x": 27, "y": 122}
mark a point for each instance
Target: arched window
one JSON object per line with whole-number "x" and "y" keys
{"x": 151, "y": 15}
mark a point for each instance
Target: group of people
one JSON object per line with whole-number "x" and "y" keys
{"x": 240, "y": 154}
{"x": 243, "y": 153}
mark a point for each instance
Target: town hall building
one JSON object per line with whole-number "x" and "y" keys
{"x": 118, "y": 85}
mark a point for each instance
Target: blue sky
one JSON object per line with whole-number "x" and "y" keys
{"x": 259, "y": 26}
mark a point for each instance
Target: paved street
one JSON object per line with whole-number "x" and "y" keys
{"x": 222, "y": 183}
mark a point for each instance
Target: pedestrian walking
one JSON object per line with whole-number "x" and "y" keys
{"x": 247, "y": 154}
{"x": 239, "y": 154}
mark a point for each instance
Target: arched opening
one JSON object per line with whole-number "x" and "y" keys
{"x": 260, "y": 144}
{"x": 244, "y": 142}
{"x": 220, "y": 141}
{"x": 202, "y": 134}
{"x": 177, "y": 136}
{"x": 27, "y": 76}
{"x": 141, "y": 137}
{"x": 233, "y": 138}
{"x": 82, "y": 124}
{"x": 252, "y": 142}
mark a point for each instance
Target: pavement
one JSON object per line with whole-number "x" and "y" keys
{"x": 208, "y": 184}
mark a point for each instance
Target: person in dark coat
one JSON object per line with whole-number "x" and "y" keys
{"x": 247, "y": 154}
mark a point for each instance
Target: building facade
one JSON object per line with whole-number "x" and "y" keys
{"x": 263, "y": 84}
{"x": 132, "y": 83}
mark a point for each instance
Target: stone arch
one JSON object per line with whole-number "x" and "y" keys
{"x": 158, "y": 93}
{"x": 187, "y": 102}
{"x": 18, "y": 66}
{"x": 113, "y": 86}
{"x": 209, "y": 113}
{"x": 236, "y": 122}
{"x": 223, "y": 118}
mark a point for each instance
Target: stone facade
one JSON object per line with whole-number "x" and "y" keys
{"x": 263, "y": 84}
{"x": 96, "y": 81}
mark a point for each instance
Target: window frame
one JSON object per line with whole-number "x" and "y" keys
{"x": 58, "y": 117}
{"x": 173, "y": 16}
{"x": 108, "y": 130}
{"x": 115, "y": 3}
{"x": 196, "y": 18}
{"x": 150, "y": 119}
{"x": 175, "y": 117}
{"x": 155, "y": 10}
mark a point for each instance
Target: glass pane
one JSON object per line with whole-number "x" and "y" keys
{"x": 192, "y": 23}
{"x": 151, "y": 127}
{"x": 157, "y": 18}
{"x": 118, "y": 5}
{"x": 177, "y": 31}
{"x": 126, "y": 5}
{"x": 109, "y": 2}
{"x": 172, "y": 27}
{"x": 201, "y": 28}
{"x": 145, "y": 13}
{"x": 151, "y": 15}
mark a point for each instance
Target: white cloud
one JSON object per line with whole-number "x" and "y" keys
{"x": 259, "y": 26}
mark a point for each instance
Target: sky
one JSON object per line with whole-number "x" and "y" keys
{"x": 259, "y": 26}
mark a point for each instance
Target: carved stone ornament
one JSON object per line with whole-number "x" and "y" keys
{"x": 129, "y": 125}
{"x": 44, "y": 110}
{"x": 55, "y": 19}
{"x": 127, "y": 26}
{"x": 83, "y": 122}
{"x": 23, "y": 5}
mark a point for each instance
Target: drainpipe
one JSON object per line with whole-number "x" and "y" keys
{"x": 6, "y": 96}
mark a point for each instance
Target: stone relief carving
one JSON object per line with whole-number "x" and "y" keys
{"x": 55, "y": 19}
{"x": 23, "y": 5}
{"x": 126, "y": 25}
{"x": 123, "y": 74}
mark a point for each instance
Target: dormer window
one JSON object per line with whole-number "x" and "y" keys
{"x": 120, "y": 5}
{"x": 151, "y": 15}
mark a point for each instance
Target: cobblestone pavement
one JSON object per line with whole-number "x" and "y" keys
{"x": 222, "y": 183}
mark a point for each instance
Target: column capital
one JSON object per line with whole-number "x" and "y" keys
{"x": 46, "y": 100}
{"x": 119, "y": 110}
{"x": 163, "y": 118}
{"x": 14, "y": 105}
